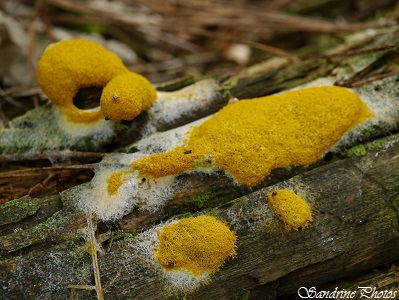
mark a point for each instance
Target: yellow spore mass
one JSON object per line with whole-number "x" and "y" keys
{"x": 126, "y": 96}
{"x": 69, "y": 65}
{"x": 250, "y": 138}
{"x": 114, "y": 182}
{"x": 290, "y": 208}
{"x": 197, "y": 245}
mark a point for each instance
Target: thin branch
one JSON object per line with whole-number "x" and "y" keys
{"x": 50, "y": 155}
{"x": 45, "y": 170}
{"x": 111, "y": 282}
{"x": 81, "y": 287}
{"x": 363, "y": 51}
{"x": 368, "y": 80}
{"x": 93, "y": 249}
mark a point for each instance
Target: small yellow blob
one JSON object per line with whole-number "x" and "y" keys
{"x": 250, "y": 138}
{"x": 126, "y": 96}
{"x": 291, "y": 209}
{"x": 197, "y": 245}
{"x": 69, "y": 65}
{"x": 114, "y": 182}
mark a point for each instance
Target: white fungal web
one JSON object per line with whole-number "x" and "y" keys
{"x": 134, "y": 192}
{"x": 101, "y": 129}
{"x": 152, "y": 194}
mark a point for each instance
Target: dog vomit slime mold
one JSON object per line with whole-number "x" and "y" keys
{"x": 250, "y": 138}
{"x": 290, "y": 208}
{"x": 126, "y": 96}
{"x": 69, "y": 65}
{"x": 197, "y": 245}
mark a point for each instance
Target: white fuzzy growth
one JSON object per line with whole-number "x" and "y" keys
{"x": 168, "y": 140}
{"x": 75, "y": 130}
{"x": 107, "y": 207}
{"x": 187, "y": 101}
{"x": 182, "y": 281}
{"x": 149, "y": 195}
{"x": 383, "y": 102}
{"x": 152, "y": 194}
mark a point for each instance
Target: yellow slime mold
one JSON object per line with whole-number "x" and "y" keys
{"x": 197, "y": 245}
{"x": 290, "y": 208}
{"x": 250, "y": 138}
{"x": 69, "y": 65}
{"x": 126, "y": 96}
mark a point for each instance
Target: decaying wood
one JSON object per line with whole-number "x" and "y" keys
{"x": 355, "y": 228}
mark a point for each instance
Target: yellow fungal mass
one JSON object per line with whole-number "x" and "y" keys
{"x": 126, "y": 96}
{"x": 114, "y": 182}
{"x": 250, "y": 138}
{"x": 291, "y": 209}
{"x": 196, "y": 245}
{"x": 69, "y": 65}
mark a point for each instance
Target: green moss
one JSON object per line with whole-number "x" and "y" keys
{"x": 71, "y": 237}
{"x": 183, "y": 215}
{"x": 201, "y": 201}
{"x": 44, "y": 229}
{"x": 18, "y": 209}
{"x": 39, "y": 233}
{"x": 126, "y": 236}
{"x": 227, "y": 87}
{"x": 358, "y": 150}
{"x": 377, "y": 144}
{"x": 73, "y": 193}
{"x": 245, "y": 296}
{"x": 39, "y": 130}
{"x": 361, "y": 150}
{"x": 211, "y": 211}
{"x": 77, "y": 257}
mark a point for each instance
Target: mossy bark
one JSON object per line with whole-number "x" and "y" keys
{"x": 354, "y": 200}
{"x": 356, "y": 228}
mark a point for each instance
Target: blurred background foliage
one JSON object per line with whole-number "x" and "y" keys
{"x": 167, "y": 40}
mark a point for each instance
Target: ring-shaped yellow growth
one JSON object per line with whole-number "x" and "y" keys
{"x": 126, "y": 96}
{"x": 197, "y": 245}
{"x": 69, "y": 65}
{"x": 291, "y": 209}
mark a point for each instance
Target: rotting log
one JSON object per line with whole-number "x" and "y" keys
{"x": 356, "y": 228}
{"x": 355, "y": 204}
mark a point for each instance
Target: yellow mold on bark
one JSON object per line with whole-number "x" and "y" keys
{"x": 250, "y": 138}
{"x": 126, "y": 96}
{"x": 291, "y": 209}
{"x": 69, "y": 65}
{"x": 114, "y": 182}
{"x": 197, "y": 245}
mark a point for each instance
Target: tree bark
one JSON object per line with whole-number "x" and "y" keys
{"x": 354, "y": 199}
{"x": 355, "y": 204}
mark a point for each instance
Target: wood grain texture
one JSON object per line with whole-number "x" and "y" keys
{"x": 355, "y": 203}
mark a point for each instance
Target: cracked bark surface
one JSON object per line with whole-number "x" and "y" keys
{"x": 356, "y": 228}
{"x": 355, "y": 202}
